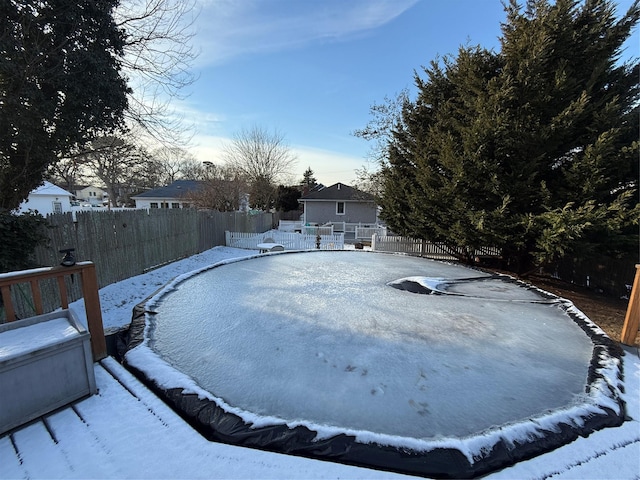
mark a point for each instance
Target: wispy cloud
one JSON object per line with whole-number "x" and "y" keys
{"x": 228, "y": 28}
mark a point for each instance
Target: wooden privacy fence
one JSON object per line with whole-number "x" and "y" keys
{"x": 290, "y": 241}
{"x": 610, "y": 275}
{"x": 63, "y": 276}
{"x": 126, "y": 243}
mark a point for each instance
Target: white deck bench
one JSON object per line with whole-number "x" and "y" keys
{"x": 45, "y": 363}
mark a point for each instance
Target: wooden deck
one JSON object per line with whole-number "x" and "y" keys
{"x": 125, "y": 431}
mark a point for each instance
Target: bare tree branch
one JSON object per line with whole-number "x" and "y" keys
{"x": 172, "y": 163}
{"x": 260, "y": 154}
{"x": 222, "y": 189}
{"x": 158, "y": 56}
{"x": 379, "y": 130}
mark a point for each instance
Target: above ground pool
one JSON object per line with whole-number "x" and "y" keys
{"x": 381, "y": 360}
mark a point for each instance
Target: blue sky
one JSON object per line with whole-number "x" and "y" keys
{"x": 311, "y": 69}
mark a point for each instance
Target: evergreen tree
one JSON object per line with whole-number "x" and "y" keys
{"x": 532, "y": 149}
{"x": 287, "y": 198}
{"x": 308, "y": 181}
{"x": 60, "y": 83}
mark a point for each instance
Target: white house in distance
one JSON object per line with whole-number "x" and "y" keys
{"x": 90, "y": 194}
{"x": 46, "y": 199}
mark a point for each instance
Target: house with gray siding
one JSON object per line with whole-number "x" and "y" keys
{"x": 338, "y": 203}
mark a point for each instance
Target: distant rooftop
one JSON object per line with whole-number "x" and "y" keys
{"x": 176, "y": 189}
{"x": 48, "y": 188}
{"x": 338, "y": 191}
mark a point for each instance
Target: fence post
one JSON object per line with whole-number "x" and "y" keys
{"x": 632, "y": 318}
{"x": 93, "y": 311}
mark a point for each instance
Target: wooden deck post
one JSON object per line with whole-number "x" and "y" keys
{"x": 632, "y": 318}
{"x": 93, "y": 311}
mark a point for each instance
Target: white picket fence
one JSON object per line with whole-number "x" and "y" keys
{"x": 298, "y": 227}
{"x": 360, "y": 231}
{"x": 289, "y": 225}
{"x": 414, "y": 246}
{"x": 367, "y": 233}
{"x": 290, "y": 241}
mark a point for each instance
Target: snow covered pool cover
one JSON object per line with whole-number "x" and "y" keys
{"x": 374, "y": 359}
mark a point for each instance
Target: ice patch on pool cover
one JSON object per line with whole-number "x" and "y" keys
{"x": 495, "y": 287}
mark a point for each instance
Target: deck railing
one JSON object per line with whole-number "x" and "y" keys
{"x": 86, "y": 271}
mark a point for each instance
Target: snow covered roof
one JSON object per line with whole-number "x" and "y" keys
{"x": 49, "y": 188}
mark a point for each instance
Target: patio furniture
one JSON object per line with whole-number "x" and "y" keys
{"x": 270, "y": 247}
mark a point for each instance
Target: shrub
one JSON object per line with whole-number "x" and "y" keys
{"x": 21, "y": 234}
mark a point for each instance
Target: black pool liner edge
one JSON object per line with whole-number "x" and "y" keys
{"x": 216, "y": 424}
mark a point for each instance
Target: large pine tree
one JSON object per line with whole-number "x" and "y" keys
{"x": 532, "y": 149}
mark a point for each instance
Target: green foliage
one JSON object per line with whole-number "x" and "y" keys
{"x": 60, "y": 84}
{"x": 308, "y": 181}
{"x": 287, "y": 198}
{"x": 532, "y": 149}
{"x": 20, "y": 234}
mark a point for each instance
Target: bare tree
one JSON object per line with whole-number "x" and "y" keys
{"x": 222, "y": 189}
{"x": 369, "y": 181}
{"x": 157, "y": 60}
{"x": 172, "y": 162}
{"x": 263, "y": 158}
{"x": 192, "y": 169}
{"x": 67, "y": 172}
{"x": 116, "y": 162}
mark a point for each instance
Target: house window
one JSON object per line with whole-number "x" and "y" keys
{"x": 339, "y": 208}
{"x": 164, "y": 205}
{"x": 175, "y": 205}
{"x": 57, "y": 207}
{"x": 186, "y": 205}
{"x": 153, "y": 205}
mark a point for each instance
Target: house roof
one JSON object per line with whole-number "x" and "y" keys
{"x": 82, "y": 187}
{"x": 176, "y": 189}
{"x": 49, "y": 188}
{"x": 338, "y": 191}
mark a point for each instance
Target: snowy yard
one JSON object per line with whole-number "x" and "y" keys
{"x": 129, "y": 444}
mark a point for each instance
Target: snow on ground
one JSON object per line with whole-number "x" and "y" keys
{"x": 174, "y": 450}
